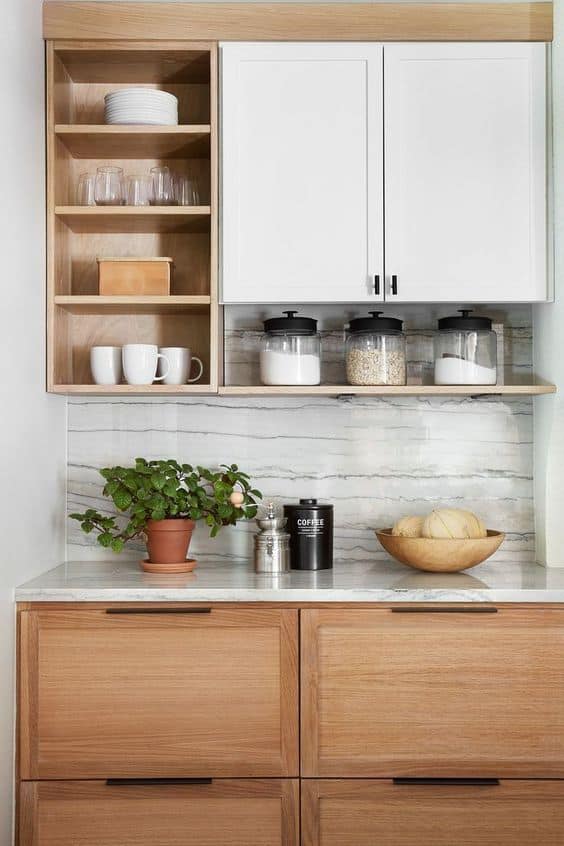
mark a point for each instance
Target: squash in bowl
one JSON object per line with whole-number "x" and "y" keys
{"x": 440, "y": 555}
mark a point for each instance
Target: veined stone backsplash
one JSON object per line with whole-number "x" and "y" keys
{"x": 376, "y": 459}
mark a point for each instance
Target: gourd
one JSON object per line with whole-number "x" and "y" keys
{"x": 453, "y": 523}
{"x": 409, "y": 527}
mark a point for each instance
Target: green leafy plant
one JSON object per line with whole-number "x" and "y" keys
{"x": 158, "y": 490}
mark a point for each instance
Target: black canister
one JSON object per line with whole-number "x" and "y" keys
{"x": 310, "y": 526}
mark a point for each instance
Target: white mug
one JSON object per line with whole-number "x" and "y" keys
{"x": 105, "y": 365}
{"x": 140, "y": 364}
{"x": 180, "y": 360}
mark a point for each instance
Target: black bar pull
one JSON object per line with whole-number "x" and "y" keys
{"x": 478, "y": 782}
{"x": 143, "y": 782}
{"x": 394, "y": 285}
{"x": 377, "y": 285}
{"x": 158, "y": 610}
{"x": 478, "y": 609}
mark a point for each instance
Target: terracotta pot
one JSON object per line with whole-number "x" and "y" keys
{"x": 167, "y": 545}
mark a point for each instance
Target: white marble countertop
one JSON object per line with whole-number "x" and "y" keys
{"x": 378, "y": 581}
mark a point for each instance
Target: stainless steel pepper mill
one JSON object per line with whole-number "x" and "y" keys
{"x": 272, "y": 543}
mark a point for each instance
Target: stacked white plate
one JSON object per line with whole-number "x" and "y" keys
{"x": 141, "y": 105}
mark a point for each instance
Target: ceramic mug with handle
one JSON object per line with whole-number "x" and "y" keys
{"x": 140, "y": 364}
{"x": 180, "y": 362}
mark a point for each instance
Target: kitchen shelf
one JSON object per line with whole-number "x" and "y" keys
{"x": 134, "y": 219}
{"x": 95, "y": 304}
{"x": 135, "y": 390}
{"x": 135, "y": 142}
{"x": 389, "y": 390}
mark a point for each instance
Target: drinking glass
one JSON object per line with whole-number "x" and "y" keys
{"x": 85, "y": 190}
{"x": 138, "y": 190}
{"x": 187, "y": 193}
{"x": 162, "y": 193}
{"x": 109, "y": 186}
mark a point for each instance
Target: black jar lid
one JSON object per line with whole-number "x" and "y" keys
{"x": 465, "y": 323}
{"x": 375, "y": 323}
{"x": 291, "y": 324}
{"x": 309, "y": 503}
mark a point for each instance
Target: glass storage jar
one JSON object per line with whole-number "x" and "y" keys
{"x": 375, "y": 351}
{"x": 465, "y": 351}
{"x": 290, "y": 352}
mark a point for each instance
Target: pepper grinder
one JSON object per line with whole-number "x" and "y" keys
{"x": 272, "y": 543}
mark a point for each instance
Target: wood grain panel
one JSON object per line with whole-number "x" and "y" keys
{"x": 158, "y": 695}
{"x": 227, "y": 812}
{"x": 433, "y": 694}
{"x": 364, "y": 813}
{"x": 300, "y": 21}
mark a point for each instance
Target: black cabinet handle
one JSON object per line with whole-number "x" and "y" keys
{"x": 394, "y": 285}
{"x": 478, "y": 782}
{"x": 143, "y": 782}
{"x": 158, "y": 610}
{"x": 479, "y": 609}
{"x": 377, "y": 285}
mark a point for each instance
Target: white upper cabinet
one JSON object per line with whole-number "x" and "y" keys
{"x": 302, "y": 179}
{"x": 465, "y": 172}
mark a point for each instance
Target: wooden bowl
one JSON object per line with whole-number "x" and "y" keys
{"x": 440, "y": 555}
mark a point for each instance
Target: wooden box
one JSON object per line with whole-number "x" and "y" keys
{"x": 134, "y": 276}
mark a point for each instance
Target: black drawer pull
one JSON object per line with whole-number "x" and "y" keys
{"x": 158, "y": 610}
{"x": 477, "y": 782}
{"x": 143, "y": 782}
{"x": 479, "y": 609}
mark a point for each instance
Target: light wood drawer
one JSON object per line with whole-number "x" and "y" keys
{"x": 433, "y": 693}
{"x": 365, "y": 813}
{"x": 179, "y": 692}
{"x": 226, "y": 812}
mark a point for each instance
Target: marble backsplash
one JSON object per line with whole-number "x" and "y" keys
{"x": 375, "y": 459}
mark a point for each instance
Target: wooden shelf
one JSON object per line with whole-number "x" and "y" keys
{"x": 135, "y": 142}
{"x": 133, "y": 305}
{"x": 388, "y": 390}
{"x": 134, "y": 390}
{"x": 137, "y": 219}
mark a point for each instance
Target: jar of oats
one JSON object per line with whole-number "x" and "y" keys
{"x": 375, "y": 351}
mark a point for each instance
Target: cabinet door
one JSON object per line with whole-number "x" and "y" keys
{"x": 90, "y": 813}
{"x": 302, "y": 182}
{"x": 433, "y": 693}
{"x": 165, "y": 693}
{"x": 465, "y": 172}
{"x": 365, "y": 813}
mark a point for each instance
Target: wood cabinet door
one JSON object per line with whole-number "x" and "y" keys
{"x": 302, "y": 181}
{"x": 366, "y": 813}
{"x": 465, "y": 172}
{"x": 231, "y": 813}
{"x": 401, "y": 692}
{"x": 158, "y": 692}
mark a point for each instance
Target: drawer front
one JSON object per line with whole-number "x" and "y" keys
{"x": 365, "y": 813}
{"x": 227, "y": 812}
{"x": 158, "y": 694}
{"x": 430, "y": 694}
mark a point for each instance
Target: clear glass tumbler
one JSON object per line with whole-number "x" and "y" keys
{"x": 86, "y": 189}
{"x": 186, "y": 191}
{"x": 109, "y": 186}
{"x": 137, "y": 190}
{"x": 162, "y": 191}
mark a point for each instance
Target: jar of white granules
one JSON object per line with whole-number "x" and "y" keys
{"x": 375, "y": 351}
{"x": 290, "y": 352}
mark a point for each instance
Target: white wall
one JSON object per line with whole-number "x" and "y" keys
{"x": 32, "y": 424}
{"x": 548, "y": 334}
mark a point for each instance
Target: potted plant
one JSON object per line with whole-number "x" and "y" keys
{"x": 164, "y": 499}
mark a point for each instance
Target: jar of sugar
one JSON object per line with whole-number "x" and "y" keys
{"x": 465, "y": 351}
{"x": 290, "y": 351}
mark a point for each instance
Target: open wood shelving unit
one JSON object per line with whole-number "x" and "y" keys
{"x": 79, "y": 74}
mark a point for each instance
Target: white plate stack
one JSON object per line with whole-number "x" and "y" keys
{"x": 141, "y": 105}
